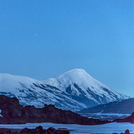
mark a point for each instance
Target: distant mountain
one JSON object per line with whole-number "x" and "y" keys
{"x": 73, "y": 90}
{"x": 122, "y": 107}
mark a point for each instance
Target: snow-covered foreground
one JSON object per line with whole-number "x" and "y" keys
{"x": 79, "y": 129}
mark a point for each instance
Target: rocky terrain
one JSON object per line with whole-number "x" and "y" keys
{"x": 37, "y": 130}
{"x": 14, "y": 113}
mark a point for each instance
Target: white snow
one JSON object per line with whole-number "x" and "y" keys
{"x": 23, "y": 88}
{"x": 84, "y": 81}
{"x": 9, "y": 83}
{"x": 20, "y": 86}
{"x": 78, "y": 76}
{"x": 79, "y": 129}
{"x": 0, "y": 113}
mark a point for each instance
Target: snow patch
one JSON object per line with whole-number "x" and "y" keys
{"x": 0, "y": 113}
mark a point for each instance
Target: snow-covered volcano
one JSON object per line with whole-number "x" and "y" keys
{"x": 73, "y": 90}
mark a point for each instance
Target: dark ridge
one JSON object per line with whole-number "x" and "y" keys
{"x": 37, "y": 130}
{"x": 79, "y": 89}
{"x": 68, "y": 89}
{"x": 14, "y": 113}
{"x": 44, "y": 86}
{"x": 122, "y": 107}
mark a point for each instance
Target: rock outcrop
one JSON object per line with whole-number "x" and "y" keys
{"x": 14, "y": 113}
{"x": 37, "y": 130}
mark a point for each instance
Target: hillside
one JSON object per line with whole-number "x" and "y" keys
{"x": 121, "y": 107}
{"x": 73, "y": 90}
{"x": 14, "y": 113}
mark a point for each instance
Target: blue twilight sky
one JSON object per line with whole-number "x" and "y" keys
{"x": 45, "y": 38}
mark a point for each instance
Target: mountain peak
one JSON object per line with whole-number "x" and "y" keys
{"x": 74, "y": 76}
{"x": 77, "y": 70}
{"x": 78, "y": 76}
{"x": 75, "y": 73}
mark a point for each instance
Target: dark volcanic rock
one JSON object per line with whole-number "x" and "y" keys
{"x": 37, "y": 130}
{"x": 52, "y": 130}
{"x": 25, "y": 131}
{"x": 10, "y": 107}
{"x": 5, "y": 131}
{"x": 127, "y": 132}
{"x": 14, "y": 113}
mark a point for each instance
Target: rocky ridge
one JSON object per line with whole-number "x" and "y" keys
{"x": 14, "y": 113}
{"x": 37, "y": 130}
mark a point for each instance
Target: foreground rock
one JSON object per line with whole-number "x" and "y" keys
{"x": 14, "y": 113}
{"x": 37, "y": 130}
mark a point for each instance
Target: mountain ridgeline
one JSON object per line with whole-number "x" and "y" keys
{"x": 11, "y": 112}
{"x": 121, "y": 107}
{"x": 73, "y": 90}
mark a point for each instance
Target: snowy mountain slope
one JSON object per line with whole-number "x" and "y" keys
{"x": 34, "y": 92}
{"x": 73, "y": 90}
{"x": 78, "y": 83}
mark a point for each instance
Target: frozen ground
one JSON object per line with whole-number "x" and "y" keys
{"x": 79, "y": 129}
